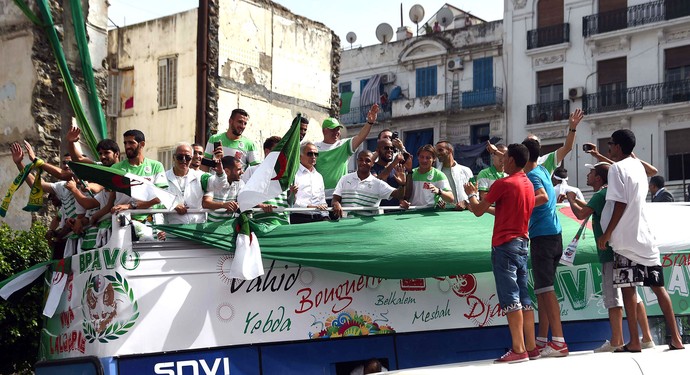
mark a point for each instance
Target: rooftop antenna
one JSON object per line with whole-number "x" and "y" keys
{"x": 351, "y": 37}
{"x": 444, "y": 17}
{"x": 384, "y": 32}
{"x": 401, "y": 15}
{"x": 416, "y": 15}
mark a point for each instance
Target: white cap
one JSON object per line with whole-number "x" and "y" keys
{"x": 592, "y": 166}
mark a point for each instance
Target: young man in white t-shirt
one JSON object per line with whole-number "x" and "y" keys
{"x": 628, "y": 233}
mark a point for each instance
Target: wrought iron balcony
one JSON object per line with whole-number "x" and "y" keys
{"x": 358, "y": 115}
{"x": 474, "y": 99}
{"x": 637, "y": 97}
{"x": 635, "y": 15}
{"x": 548, "y": 36}
{"x": 546, "y": 112}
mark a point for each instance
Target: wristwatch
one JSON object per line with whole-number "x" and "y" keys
{"x": 133, "y": 205}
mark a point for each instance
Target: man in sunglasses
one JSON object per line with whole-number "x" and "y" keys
{"x": 189, "y": 185}
{"x": 308, "y": 190}
{"x": 390, "y": 167}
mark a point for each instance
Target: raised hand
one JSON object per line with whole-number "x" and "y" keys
{"x": 73, "y": 134}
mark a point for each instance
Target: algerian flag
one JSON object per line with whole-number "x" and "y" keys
{"x": 57, "y": 286}
{"x": 22, "y": 279}
{"x": 135, "y": 186}
{"x": 276, "y": 173}
{"x": 272, "y": 177}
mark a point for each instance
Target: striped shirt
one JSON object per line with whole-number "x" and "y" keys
{"x": 355, "y": 192}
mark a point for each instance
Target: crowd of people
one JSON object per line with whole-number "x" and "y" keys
{"x": 520, "y": 188}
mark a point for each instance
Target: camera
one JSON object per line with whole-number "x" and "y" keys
{"x": 587, "y": 147}
{"x": 394, "y": 136}
{"x": 216, "y": 144}
{"x": 208, "y": 162}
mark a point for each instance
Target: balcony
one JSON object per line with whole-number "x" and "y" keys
{"x": 635, "y": 15}
{"x": 548, "y": 36}
{"x": 547, "y": 112}
{"x": 358, "y": 115}
{"x": 637, "y": 97}
{"x": 474, "y": 99}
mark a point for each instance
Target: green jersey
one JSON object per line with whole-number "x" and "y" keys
{"x": 332, "y": 162}
{"x": 242, "y": 149}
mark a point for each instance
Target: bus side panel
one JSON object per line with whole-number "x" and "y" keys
{"x": 243, "y": 360}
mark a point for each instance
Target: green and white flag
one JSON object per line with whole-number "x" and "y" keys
{"x": 22, "y": 279}
{"x": 276, "y": 173}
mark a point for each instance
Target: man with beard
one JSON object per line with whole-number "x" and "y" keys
{"x": 226, "y": 185}
{"x": 362, "y": 189}
{"x": 303, "y": 127}
{"x": 197, "y": 155}
{"x": 389, "y": 167}
{"x": 139, "y": 165}
{"x": 232, "y": 142}
{"x": 458, "y": 175}
{"x": 108, "y": 150}
{"x": 188, "y": 185}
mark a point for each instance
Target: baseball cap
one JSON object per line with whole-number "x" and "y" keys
{"x": 330, "y": 123}
{"x": 593, "y": 166}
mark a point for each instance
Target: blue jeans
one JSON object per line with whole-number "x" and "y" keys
{"x": 509, "y": 261}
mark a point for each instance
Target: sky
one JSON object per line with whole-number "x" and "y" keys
{"x": 359, "y": 16}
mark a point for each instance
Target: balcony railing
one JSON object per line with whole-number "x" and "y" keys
{"x": 548, "y": 36}
{"x": 546, "y": 112}
{"x": 635, "y": 15}
{"x": 474, "y": 99}
{"x": 358, "y": 115}
{"x": 637, "y": 97}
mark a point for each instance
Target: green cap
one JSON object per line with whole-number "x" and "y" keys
{"x": 330, "y": 123}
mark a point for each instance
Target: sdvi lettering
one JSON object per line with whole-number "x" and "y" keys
{"x": 192, "y": 367}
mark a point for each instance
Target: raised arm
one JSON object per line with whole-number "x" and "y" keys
{"x": 364, "y": 132}
{"x": 58, "y": 173}
{"x": 73, "y": 146}
{"x": 573, "y": 121}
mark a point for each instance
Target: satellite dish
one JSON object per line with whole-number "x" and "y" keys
{"x": 416, "y": 13}
{"x": 444, "y": 17}
{"x": 351, "y": 38}
{"x": 384, "y": 32}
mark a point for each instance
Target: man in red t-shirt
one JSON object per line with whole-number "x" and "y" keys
{"x": 514, "y": 198}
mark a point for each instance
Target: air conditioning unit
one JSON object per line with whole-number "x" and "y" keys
{"x": 576, "y": 93}
{"x": 388, "y": 78}
{"x": 455, "y": 64}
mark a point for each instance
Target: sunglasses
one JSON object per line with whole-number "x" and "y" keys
{"x": 311, "y": 153}
{"x": 183, "y": 157}
{"x": 391, "y": 148}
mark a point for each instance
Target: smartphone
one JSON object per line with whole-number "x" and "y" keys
{"x": 395, "y": 135}
{"x": 587, "y": 147}
{"x": 208, "y": 162}
{"x": 216, "y": 144}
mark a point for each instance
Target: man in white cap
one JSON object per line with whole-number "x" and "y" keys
{"x": 334, "y": 152}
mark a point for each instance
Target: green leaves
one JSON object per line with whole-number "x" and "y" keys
{"x": 21, "y": 315}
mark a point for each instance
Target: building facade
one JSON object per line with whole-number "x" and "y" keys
{"x": 261, "y": 57}
{"x": 443, "y": 85}
{"x": 626, "y": 63}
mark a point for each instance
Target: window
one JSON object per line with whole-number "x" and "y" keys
{"x": 549, "y": 13}
{"x": 120, "y": 93}
{"x": 677, "y": 64}
{"x": 165, "y": 156}
{"x": 345, "y": 87}
{"x": 612, "y": 77}
{"x": 426, "y": 81}
{"x": 167, "y": 82}
{"x": 678, "y": 154}
{"x": 550, "y": 85}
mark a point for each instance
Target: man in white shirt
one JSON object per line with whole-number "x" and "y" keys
{"x": 308, "y": 190}
{"x": 458, "y": 175}
{"x": 627, "y": 232}
{"x": 561, "y": 186}
{"x": 188, "y": 185}
{"x": 362, "y": 189}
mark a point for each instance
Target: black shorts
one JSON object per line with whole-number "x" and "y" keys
{"x": 545, "y": 252}
{"x": 627, "y": 273}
